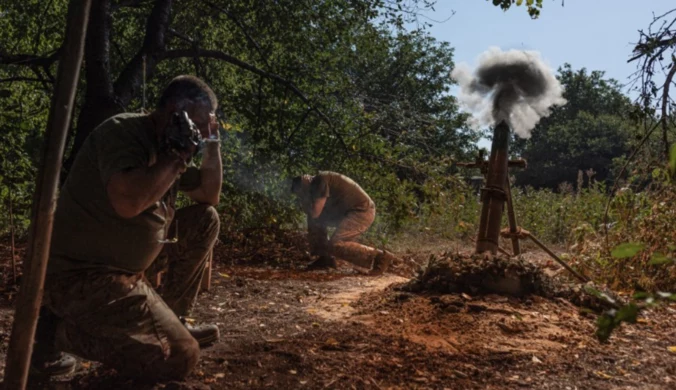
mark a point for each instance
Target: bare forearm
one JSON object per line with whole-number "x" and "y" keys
{"x": 211, "y": 172}
{"x": 134, "y": 191}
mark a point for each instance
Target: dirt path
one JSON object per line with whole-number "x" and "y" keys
{"x": 287, "y": 328}
{"x": 339, "y": 306}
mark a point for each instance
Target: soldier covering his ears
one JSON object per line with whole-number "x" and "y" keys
{"x": 331, "y": 199}
{"x": 115, "y": 218}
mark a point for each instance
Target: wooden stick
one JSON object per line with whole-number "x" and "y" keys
{"x": 558, "y": 260}
{"x": 44, "y": 198}
{"x": 206, "y": 276}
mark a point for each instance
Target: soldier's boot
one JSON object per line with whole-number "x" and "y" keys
{"x": 381, "y": 263}
{"x": 54, "y": 364}
{"x": 205, "y": 334}
{"x": 46, "y": 360}
{"x": 323, "y": 262}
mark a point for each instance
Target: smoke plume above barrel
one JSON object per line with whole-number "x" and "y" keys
{"x": 515, "y": 86}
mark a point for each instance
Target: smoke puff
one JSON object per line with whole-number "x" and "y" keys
{"x": 515, "y": 86}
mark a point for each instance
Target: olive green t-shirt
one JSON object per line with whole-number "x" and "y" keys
{"x": 87, "y": 231}
{"x": 344, "y": 195}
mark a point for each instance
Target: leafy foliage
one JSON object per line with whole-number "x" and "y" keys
{"x": 303, "y": 86}
{"x": 590, "y": 132}
{"x": 655, "y": 58}
{"x": 607, "y": 322}
{"x": 532, "y": 6}
{"x": 627, "y": 250}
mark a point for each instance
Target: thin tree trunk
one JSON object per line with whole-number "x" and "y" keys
{"x": 666, "y": 111}
{"x": 99, "y": 100}
{"x": 106, "y": 96}
{"x": 44, "y": 199}
{"x": 11, "y": 233}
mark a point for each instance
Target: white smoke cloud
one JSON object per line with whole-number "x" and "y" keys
{"x": 516, "y": 86}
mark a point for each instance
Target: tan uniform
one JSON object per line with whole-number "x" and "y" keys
{"x": 350, "y": 210}
{"x": 95, "y": 283}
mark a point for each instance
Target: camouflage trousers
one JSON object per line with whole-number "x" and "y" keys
{"x": 120, "y": 320}
{"x": 342, "y": 243}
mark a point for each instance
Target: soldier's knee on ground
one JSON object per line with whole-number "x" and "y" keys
{"x": 183, "y": 359}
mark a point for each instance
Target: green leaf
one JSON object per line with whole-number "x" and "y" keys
{"x": 519, "y": 2}
{"x": 672, "y": 159}
{"x": 656, "y": 173}
{"x": 659, "y": 259}
{"x": 628, "y": 249}
{"x": 610, "y": 320}
{"x": 641, "y": 295}
{"x": 604, "y": 327}
{"x": 627, "y": 313}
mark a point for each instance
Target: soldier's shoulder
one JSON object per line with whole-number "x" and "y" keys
{"x": 125, "y": 120}
{"x": 123, "y": 125}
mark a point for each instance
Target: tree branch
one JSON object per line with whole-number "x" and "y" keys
{"x": 38, "y": 32}
{"x": 29, "y": 59}
{"x": 644, "y": 48}
{"x": 219, "y": 55}
{"x": 118, "y": 50}
{"x": 129, "y": 3}
{"x": 181, "y": 35}
{"x": 30, "y": 79}
{"x": 242, "y": 27}
{"x": 51, "y": 77}
{"x": 649, "y": 132}
{"x": 298, "y": 126}
{"x": 153, "y": 47}
{"x": 665, "y": 106}
{"x": 45, "y": 84}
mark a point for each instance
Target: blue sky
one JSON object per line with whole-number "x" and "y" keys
{"x": 594, "y": 34}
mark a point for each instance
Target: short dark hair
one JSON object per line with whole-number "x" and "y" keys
{"x": 188, "y": 88}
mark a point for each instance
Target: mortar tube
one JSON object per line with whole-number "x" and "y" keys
{"x": 493, "y": 200}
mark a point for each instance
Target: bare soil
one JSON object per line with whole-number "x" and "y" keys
{"x": 285, "y": 327}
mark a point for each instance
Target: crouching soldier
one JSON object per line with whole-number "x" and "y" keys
{"x": 116, "y": 216}
{"x": 333, "y": 200}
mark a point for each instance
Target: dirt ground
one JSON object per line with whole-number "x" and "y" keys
{"x": 284, "y": 327}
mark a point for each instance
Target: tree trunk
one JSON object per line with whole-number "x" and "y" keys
{"x": 29, "y": 299}
{"x": 99, "y": 102}
{"x": 11, "y": 233}
{"x": 666, "y": 113}
{"x": 105, "y": 97}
